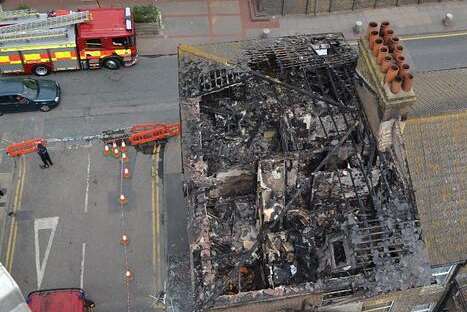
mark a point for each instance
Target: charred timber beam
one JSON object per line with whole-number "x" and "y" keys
{"x": 311, "y": 94}
{"x": 333, "y": 85}
{"x": 200, "y": 53}
{"x": 360, "y": 202}
{"x": 331, "y": 115}
{"x": 336, "y": 147}
{"x": 346, "y": 201}
{"x": 331, "y": 76}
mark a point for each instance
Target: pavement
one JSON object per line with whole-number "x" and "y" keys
{"x": 203, "y": 21}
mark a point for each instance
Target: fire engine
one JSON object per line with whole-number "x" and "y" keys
{"x": 60, "y": 300}
{"x": 39, "y": 43}
{"x": 47, "y": 300}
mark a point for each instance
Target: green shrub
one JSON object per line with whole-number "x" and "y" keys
{"x": 23, "y": 6}
{"x": 147, "y": 14}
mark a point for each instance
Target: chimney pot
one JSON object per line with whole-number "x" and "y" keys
{"x": 407, "y": 82}
{"x": 391, "y": 73}
{"x": 396, "y": 85}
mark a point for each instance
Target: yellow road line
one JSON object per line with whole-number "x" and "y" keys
{"x": 155, "y": 212}
{"x": 433, "y": 36}
{"x": 10, "y": 236}
{"x": 16, "y": 204}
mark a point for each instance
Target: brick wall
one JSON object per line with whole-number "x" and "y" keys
{"x": 311, "y": 7}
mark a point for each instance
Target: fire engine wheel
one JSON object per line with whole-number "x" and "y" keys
{"x": 41, "y": 70}
{"x": 44, "y": 108}
{"x": 112, "y": 64}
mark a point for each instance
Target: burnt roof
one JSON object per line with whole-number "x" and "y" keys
{"x": 286, "y": 190}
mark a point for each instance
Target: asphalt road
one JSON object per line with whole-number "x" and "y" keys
{"x": 69, "y": 221}
{"x": 103, "y": 99}
{"x": 437, "y": 53}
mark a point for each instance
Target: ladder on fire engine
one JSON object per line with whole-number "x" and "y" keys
{"x": 37, "y": 35}
{"x": 12, "y": 31}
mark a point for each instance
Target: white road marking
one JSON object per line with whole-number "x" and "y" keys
{"x": 86, "y": 196}
{"x": 83, "y": 254}
{"x": 43, "y": 224}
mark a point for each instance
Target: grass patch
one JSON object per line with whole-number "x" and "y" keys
{"x": 23, "y": 6}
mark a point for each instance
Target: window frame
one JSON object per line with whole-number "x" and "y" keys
{"x": 94, "y": 46}
{"x": 424, "y": 307}
{"x": 11, "y": 100}
{"x": 379, "y": 307}
{"x": 438, "y": 272}
{"x": 125, "y": 38}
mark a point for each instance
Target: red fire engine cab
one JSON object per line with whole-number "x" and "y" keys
{"x": 40, "y": 43}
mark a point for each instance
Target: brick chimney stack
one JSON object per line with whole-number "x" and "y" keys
{"x": 387, "y": 89}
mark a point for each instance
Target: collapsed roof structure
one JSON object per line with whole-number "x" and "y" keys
{"x": 287, "y": 191}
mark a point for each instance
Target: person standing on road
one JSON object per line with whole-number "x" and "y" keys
{"x": 44, "y": 154}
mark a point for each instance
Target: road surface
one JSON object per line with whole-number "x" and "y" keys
{"x": 437, "y": 53}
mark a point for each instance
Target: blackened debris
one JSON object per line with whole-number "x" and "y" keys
{"x": 287, "y": 192}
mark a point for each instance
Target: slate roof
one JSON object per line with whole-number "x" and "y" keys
{"x": 440, "y": 92}
{"x": 436, "y": 150}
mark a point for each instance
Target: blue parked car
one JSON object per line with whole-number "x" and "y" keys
{"x": 26, "y": 94}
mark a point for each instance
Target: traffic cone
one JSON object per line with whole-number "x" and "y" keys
{"x": 126, "y": 173}
{"x": 123, "y": 146}
{"x": 128, "y": 275}
{"x": 115, "y": 150}
{"x": 123, "y": 199}
{"x": 124, "y": 240}
{"x": 124, "y": 157}
{"x": 106, "y": 150}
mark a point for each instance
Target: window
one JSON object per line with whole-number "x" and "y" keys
{"x": 21, "y": 99}
{"x": 378, "y": 307}
{"x": 6, "y": 99}
{"x": 427, "y": 307}
{"x": 121, "y": 42}
{"x": 441, "y": 274}
{"x": 93, "y": 43}
{"x": 30, "y": 90}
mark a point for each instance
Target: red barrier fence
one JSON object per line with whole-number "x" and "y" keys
{"x": 24, "y": 147}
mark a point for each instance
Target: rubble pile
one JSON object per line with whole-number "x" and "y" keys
{"x": 286, "y": 189}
